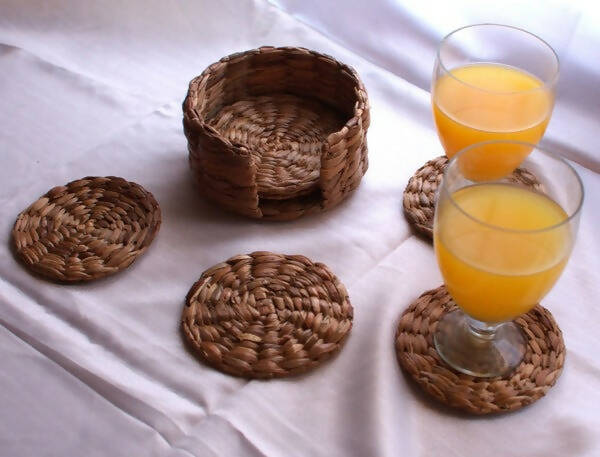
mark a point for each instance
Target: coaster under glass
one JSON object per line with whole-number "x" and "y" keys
{"x": 537, "y": 372}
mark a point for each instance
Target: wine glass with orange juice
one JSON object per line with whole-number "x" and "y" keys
{"x": 500, "y": 245}
{"x": 493, "y": 82}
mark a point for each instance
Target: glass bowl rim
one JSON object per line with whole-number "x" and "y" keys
{"x": 443, "y": 187}
{"x": 546, "y": 84}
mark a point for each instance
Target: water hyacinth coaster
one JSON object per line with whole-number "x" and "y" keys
{"x": 541, "y": 366}
{"x": 266, "y": 315}
{"x": 86, "y": 229}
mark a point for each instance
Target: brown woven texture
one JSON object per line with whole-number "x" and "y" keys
{"x": 266, "y": 315}
{"x": 276, "y": 133}
{"x": 86, "y": 229}
{"x": 420, "y": 192}
{"x": 539, "y": 370}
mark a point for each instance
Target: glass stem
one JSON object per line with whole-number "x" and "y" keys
{"x": 482, "y": 330}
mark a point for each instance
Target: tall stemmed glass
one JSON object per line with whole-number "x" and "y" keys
{"x": 500, "y": 245}
{"x": 493, "y": 82}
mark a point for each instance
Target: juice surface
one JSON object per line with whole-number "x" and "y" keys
{"x": 483, "y": 102}
{"x": 494, "y": 274}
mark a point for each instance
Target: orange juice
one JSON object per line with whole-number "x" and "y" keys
{"x": 495, "y": 251}
{"x": 483, "y": 102}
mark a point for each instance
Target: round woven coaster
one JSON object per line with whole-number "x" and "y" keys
{"x": 86, "y": 229}
{"x": 266, "y": 315}
{"x": 419, "y": 195}
{"x": 541, "y": 366}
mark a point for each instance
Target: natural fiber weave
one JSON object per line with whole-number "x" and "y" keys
{"x": 87, "y": 229}
{"x": 420, "y": 192}
{"x": 539, "y": 370}
{"x": 266, "y": 315}
{"x": 276, "y": 133}
{"x": 284, "y": 134}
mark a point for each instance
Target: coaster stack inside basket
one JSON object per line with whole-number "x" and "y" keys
{"x": 276, "y": 133}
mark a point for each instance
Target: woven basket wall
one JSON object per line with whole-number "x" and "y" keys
{"x": 276, "y": 133}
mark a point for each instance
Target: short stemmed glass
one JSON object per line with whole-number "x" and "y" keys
{"x": 501, "y": 244}
{"x": 492, "y": 82}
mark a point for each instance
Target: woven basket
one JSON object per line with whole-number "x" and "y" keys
{"x": 276, "y": 133}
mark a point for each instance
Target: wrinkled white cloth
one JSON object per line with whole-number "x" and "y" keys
{"x": 95, "y": 88}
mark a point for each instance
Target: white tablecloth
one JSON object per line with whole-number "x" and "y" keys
{"x": 95, "y": 88}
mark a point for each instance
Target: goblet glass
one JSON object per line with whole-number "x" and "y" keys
{"x": 501, "y": 244}
{"x": 493, "y": 82}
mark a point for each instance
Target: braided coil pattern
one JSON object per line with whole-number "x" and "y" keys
{"x": 266, "y": 315}
{"x": 86, "y": 229}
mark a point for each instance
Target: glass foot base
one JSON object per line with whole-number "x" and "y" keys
{"x": 482, "y": 354}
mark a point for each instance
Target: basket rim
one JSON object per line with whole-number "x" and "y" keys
{"x": 196, "y": 120}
